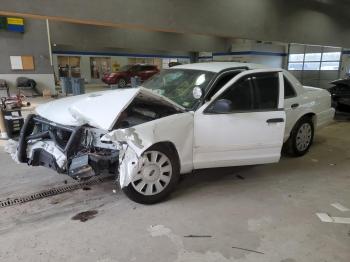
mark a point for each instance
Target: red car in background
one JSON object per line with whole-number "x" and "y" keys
{"x": 124, "y": 75}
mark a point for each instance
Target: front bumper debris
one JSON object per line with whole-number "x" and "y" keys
{"x": 45, "y": 143}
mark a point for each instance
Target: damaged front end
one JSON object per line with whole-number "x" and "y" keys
{"x": 73, "y": 150}
{"x": 104, "y": 132}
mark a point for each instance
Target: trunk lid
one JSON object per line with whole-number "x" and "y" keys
{"x": 99, "y": 109}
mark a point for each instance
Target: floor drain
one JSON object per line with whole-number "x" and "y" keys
{"x": 53, "y": 191}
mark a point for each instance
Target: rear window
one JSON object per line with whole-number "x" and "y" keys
{"x": 288, "y": 89}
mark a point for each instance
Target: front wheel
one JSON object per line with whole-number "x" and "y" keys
{"x": 301, "y": 137}
{"x": 157, "y": 177}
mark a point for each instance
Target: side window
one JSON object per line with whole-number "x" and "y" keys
{"x": 238, "y": 97}
{"x": 266, "y": 91}
{"x": 288, "y": 89}
{"x": 221, "y": 81}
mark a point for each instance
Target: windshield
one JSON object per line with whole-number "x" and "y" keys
{"x": 177, "y": 84}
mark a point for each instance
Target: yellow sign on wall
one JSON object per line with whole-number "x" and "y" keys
{"x": 15, "y": 21}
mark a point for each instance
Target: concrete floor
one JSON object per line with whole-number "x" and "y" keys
{"x": 269, "y": 208}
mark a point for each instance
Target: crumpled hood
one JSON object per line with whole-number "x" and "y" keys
{"x": 98, "y": 109}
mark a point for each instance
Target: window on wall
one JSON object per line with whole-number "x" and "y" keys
{"x": 314, "y": 61}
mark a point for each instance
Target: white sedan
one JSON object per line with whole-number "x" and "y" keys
{"x": 188, "y": 117}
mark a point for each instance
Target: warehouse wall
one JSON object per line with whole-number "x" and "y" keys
{"x": 251, "y": 51}
{"x": 32, "y": 42}
{"x": 299, "y": 21}
{"x": 345, "y": 63}
{"x": 89, "y": 37}
{"x": 316, "y": 78}
{"x": 119, "y": 58}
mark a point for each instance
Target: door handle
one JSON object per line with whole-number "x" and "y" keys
{"x": 275, "y": 120}
{"x": 293, "y": 106}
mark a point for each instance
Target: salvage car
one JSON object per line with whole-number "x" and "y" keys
{"x": 340, "y": 91}
{"x": 193, "y": 116}
{"x": 123, "y": 77}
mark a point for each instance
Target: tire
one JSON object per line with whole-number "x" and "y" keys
{"x": 301, "y": 137}
{"x": 122, "y": 83}
{"x": 153, "y": 184}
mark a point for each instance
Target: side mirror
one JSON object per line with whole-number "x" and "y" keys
{"x": 221, "y": 106}
{"x": 197, "y": 92}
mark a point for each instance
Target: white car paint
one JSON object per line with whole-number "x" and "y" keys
{"x": 201, "y": 140}
{"x": 177, "y": 129}
{"x": 245, "y": 138}
{"x": 310, "y": 100}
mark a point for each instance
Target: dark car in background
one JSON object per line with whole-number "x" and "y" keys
{"x": 340, "y": 92}
{"x": 124, "y": 75}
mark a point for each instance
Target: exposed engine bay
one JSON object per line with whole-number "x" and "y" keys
{"x": 78, "y": 151}
{"x": 139, "y": 112}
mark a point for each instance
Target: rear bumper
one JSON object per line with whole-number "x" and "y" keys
{"x": 325, "y": 117}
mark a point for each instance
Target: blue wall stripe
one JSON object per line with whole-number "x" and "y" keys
{"x": 263, "y": 53}
{"x": 205, "y": 57}
{"x": 15, "y": 28}
{"x": 117, "y": 54}
{"x": 346, "y": 52}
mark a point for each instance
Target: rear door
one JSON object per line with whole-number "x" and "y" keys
{"x": 250, "y": 131}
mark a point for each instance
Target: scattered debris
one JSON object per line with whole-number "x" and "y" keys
{"x": 85, "y": 216}
{"x": 86, "y": 188}
{"x": 250, "y": 250}
{"x": 340, "y": 207}
{"x": 240, "y": 177}
{"x": 289, "y": 195}
{"x": 11, "y": 148}
{"x": 324, "y": 217}
{"x": 17, "y": 200}
{"x": 314, "y": 160}
{"x": 114, "y": 191}
{"x": 199, "y": 236}
{"x": 54, "y": 202}
{"x": 332, "y": 164}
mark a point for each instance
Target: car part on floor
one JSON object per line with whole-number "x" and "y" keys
{"x": 4, "y": 88}
{"x": 13, "y": 122}
{"x": 27, "y": 84}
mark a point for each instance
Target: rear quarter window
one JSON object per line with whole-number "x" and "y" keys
{"x": 289, "y": 91}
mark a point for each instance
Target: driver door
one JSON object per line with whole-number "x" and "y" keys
{"x": 249, "y": 129}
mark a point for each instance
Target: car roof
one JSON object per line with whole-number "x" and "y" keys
{"x": 218, "y": 66}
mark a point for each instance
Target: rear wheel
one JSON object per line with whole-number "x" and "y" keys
{"x": 301, "y": 137}
{"x": 157, "y": 177}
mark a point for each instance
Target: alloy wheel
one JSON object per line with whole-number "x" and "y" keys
{"x": 154, "y": 175}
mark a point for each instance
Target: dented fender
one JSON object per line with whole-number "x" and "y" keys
{"x": 132, "y": 142}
